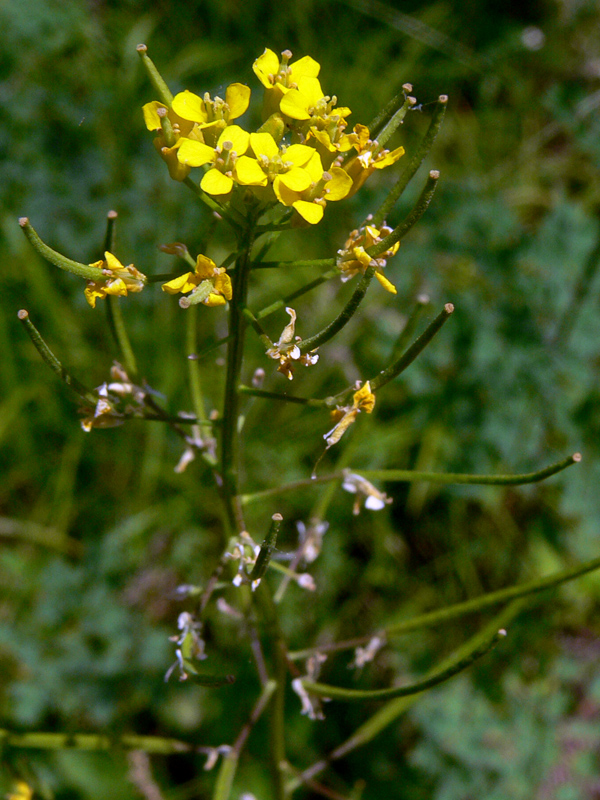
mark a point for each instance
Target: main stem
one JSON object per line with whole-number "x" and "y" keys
{"x": 230, "y": 434}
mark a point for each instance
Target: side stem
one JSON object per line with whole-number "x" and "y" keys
{"x": 229, "y": 433}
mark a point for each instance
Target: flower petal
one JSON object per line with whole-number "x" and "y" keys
{"x": 237, "y": 97}
{"x": 195, "y": 154}
{"x": 214, "y": 299}
{"x": 248, "y": 172}
{"x": 205, "y": 267}
{"x": 311, "y": 212}
{"x": 297, "y": 179}
{"x": 189, "y": 106}
{"x": 223, "y": 285}
{"x": 151, "y": 118}
{"x": 295, "y": 105}
{"x": 389, "y": 159}
{"x": 238, "y": 137}
{"x": 339, "y": 185}
{"x": 298, "y": 154}
{"x": 387, "y": 285}
{"x": 266, "y": 65}
{"x": 184, "y": 283}
{"x": 216, "y": 183}
{"x": 305, "y": 67}
{"x": 263, "y": 144}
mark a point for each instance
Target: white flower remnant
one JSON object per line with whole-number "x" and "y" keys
{"x": 362, "y": 655}
{"x": 311, "y": 705}
{"x": 356, "y": 484}
{"x": 244, "y": 549}
{"x": 311, "y": 538}
{"x": 287, "y": 352}
{"x": 212, "y": 754}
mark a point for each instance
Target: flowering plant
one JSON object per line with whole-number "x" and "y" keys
{"x": 260, "y": 184}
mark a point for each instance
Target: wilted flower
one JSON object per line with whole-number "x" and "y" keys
{"x": 311, "y": 704}
{"x": 362, "y": 655}
{"x": 190, "y": 646}
{"x": 311, "y": 538}
{"x": 212, "y": 754}
{"x": 356, "y": 484}
{"x": 371, "y": 156}
{"x": 287, "y": 352}
{"x": 117, "y": 399}
{"x": 343, "y": 416}
{"x": 244, "y": 549}
{"x": 195, "y": 443}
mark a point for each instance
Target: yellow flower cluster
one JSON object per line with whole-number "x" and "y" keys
{"x": 300, "y": 157}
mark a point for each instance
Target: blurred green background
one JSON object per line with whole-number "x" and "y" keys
{"x": 97, "y": 529}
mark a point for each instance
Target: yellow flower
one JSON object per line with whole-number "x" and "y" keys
{"x": 287, "y": 352}
{"x": 119, "y": 280}
{"x": 370, "y": 157}
{"x": 344, "y": 416}
{"x": 353, "y": 258}
{"x": 278, "y": 77}
{"x": 20, "y": 791}
{"x": 309, "y": 199}
{"x": 171, "y": 128}
{"x": 208, "y": 284}
{"x": 231, "y": 144}
{"x": 212, "y": 116}
{"x": 283, "y": 169}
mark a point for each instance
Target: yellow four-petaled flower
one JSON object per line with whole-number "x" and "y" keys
{"x": 208, "y": 284}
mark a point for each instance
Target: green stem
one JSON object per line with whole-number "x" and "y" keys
{"x": 232, "y": 218}
{"x": 411, "y": 476}
{"x": 410, "y": 327}
{"x": 414, "y": 164}
{"x": 307, "y": 401}
{"x": 258, "y": 329}
{"x": 441, "y": 676}
{"x": 229, "y": 764}
{"x": 387, "y": 112}
{"x": 413, "y": 351}
{"x": 160, "y": 87}
{"x": 194, "y": 367}
{"x": 479, "y": 480}
{"x": 443, "y": 615}
{"x": 327, "y": 276}
{"x": 268, "y": 612}
{"x": 384, "y": 716}
{"x": 235, "y": 352}
{"x": 311, "y": 262}
{"x": 93, "y": 741}
{"x": 48, "y": 356}
{"x": 82, "y": 270}
{"x": 111, "y": 230}
{"x": 395, "y": 121}
{"x": 117, "y": 325}
{"x": 343, "y": 318}
{"x": 415, "y": 215}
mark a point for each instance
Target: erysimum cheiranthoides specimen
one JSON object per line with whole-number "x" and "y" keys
{"x": 302, "y": 158}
